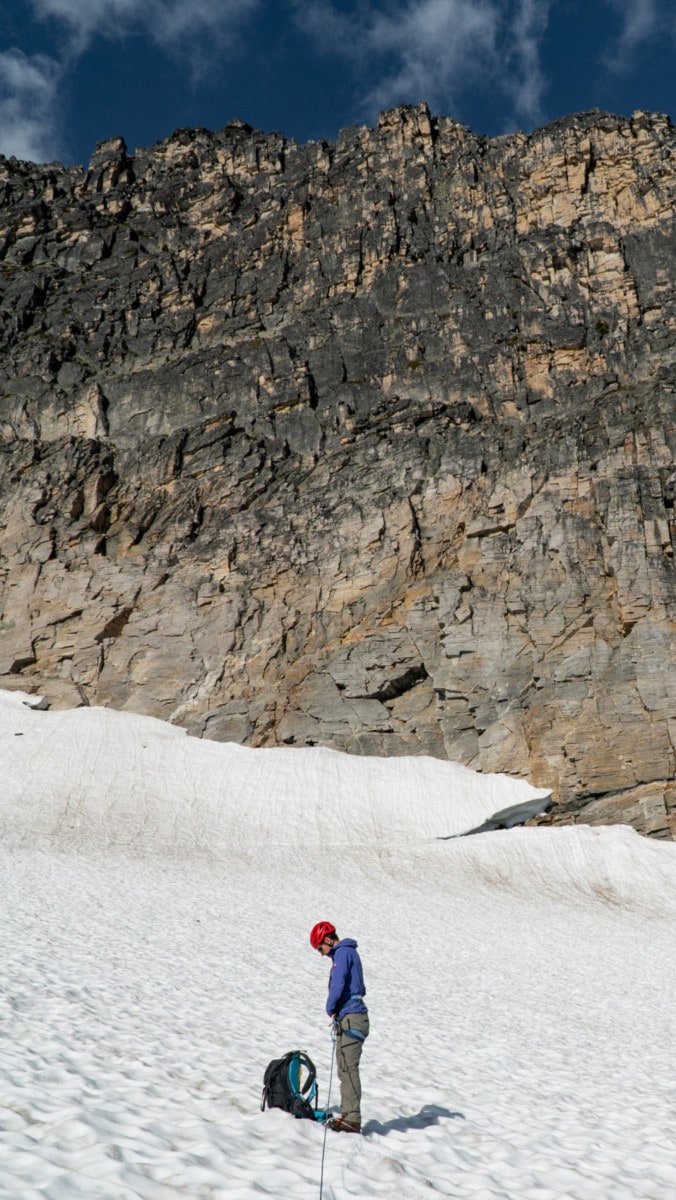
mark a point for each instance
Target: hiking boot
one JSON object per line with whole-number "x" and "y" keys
{"x": 340, "y": 1125}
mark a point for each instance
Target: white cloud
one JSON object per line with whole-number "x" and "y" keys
{"x": 526, "y": 82}
{"x": 178, "y": 25}
{"x": 435, "y": 49}
{"x": 640, "y": 22}
{"x": 28, "y": 106}
{"x": 29, "y": 86}
{"x": 431, "y": 46}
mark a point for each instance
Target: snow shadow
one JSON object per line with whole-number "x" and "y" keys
{"x": 430, "y": 1114}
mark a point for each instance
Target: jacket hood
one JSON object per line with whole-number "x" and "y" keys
{"x": 343, "y": 944}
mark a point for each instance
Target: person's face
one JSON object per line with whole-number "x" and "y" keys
{"x": 324, "y": 947}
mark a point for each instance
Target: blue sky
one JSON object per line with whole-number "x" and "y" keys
{"x": 73, "y": 72}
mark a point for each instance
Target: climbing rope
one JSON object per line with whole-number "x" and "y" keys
{"x": 328, "y": 1101}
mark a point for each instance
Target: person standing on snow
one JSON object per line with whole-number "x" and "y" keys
{"x": 346, "y": 1008}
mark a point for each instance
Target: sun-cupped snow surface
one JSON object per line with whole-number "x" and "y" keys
{"x": 157, "y": 894}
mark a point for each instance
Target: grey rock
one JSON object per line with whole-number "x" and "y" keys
{"x": 508, "y": 818}
{"x": 368, "y": 445}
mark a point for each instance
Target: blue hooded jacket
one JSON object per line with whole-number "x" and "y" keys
{"x": 346, "y": 981}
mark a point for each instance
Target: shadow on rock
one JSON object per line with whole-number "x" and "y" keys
{"x": 430, "y": 1114}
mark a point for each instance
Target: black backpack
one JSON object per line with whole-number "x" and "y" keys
{"x": 282, "y": 1086}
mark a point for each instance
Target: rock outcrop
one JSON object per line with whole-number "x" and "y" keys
{"x": 367, "y": 445}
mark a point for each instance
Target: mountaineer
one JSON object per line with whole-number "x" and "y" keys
{"x": 346, "y": 1008}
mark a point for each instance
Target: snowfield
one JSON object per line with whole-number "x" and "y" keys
{"x": 157, "y": 896}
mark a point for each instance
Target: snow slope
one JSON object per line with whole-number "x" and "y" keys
{"x": 94, "y": 776}
{"x": 157, "y": 893}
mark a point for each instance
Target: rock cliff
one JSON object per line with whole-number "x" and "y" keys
{"x": 365, "y": 444}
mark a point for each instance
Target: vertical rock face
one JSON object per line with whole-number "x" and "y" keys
{"x": 366, "y": 444}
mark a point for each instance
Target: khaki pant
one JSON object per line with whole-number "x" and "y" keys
{"x": 348, "y": 1054}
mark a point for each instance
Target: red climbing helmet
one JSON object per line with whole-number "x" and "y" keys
{"x": 320, "y": 931}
